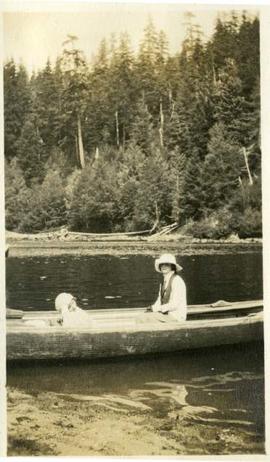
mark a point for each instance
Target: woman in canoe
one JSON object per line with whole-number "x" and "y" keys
{"x": 172, "y": 291}
{"x": 71, "y": 314}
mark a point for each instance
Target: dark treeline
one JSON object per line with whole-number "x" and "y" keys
{"x": 136, "y": 141}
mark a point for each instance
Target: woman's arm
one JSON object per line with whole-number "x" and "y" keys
{"x": 156, "y": 306}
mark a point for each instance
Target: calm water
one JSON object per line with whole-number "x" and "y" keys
{"x": 130, "y": 281}
{"x": 223, "y": 386}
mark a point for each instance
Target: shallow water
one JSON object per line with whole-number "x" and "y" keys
{"x": 221, "y": 387}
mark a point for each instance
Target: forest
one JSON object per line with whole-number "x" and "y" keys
{"x": 129, "y": 141}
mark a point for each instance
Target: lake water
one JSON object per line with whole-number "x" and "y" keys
{"x": 223, "y": 387}
{"x": 128, "y": 281}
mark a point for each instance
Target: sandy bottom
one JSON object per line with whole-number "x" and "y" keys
{"x": 55, "y": 424}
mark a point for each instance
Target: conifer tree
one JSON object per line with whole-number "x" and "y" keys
{"x": 192, "y": 199}
{"x": 146, "y": 68}
{"x": 47, "y": 90}
{"x": 30, "y": 151}
{"x": 222, "y": 169}
{"x": 17, "y": 195}
{"x": 95, "y": 199}
{"x": 152, "y": 203}
{"x": 122, "y": 89}
{"x": 231, "y": 108}
{"x": 225, "y": 41}
{"x": 98, "y": 112}
{"x": 248, "y": 53}
{"x": 75, "y": 91}
{"x": 142, "y": 131}
{"x": 17, "y": 99}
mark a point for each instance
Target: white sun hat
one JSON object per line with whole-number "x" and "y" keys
{"x": 167, "y": 258}
{"x": 63, "y": 301}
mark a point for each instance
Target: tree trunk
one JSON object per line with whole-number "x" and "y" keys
{"x": 247, "y": 166}
{"x": 77, "y": 149}
{"x": 117, "y": 129}
{"x": 124, "y": 136}
{"x": 156, "y": 223}
{"x": 80, "y": 144}
{"x": 97, "y": 154}
{"x": 161, "y": 125}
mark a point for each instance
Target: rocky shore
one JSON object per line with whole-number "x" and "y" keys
{"x": 63, "y": 242}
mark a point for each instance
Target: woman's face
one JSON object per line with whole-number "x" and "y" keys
{"x": 165, "y": 268}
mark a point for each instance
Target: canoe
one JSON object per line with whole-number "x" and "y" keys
{"x": 133, "y": 331}
{"x": 14, "y": 314}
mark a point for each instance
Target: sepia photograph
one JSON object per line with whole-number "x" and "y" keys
{"x": 134, "y": 319}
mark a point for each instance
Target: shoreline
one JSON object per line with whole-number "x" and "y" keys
{"x": 85, "y": 426}
{"x": 54, "y": 247}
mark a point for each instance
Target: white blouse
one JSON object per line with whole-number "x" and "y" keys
{"x": 177, "y": 305}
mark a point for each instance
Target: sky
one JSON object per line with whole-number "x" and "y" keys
{"x": 31, "y": 36}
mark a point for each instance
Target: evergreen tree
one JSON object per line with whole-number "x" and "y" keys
{"x": 174, "y": 130}
{"x": 248, "y": 53}
{"x": 146, "y": 72}
{"x": 75, "y": 91}
{"x": 98, "y": 113}
{"x": 176, "y": 176}
{"x": 130, "y": 169}
{"x": 194, "y": 97}
{"x": 47, "y": 89}
{"x": 95, "y": 197}
{"x": 17, "y": 195}
{"x": 17, "y": 99}
{"x": 123, "y": 90}
{"x": 162, "y": 137}
{"x": 30, "y": 151}
{"x": 46, "y": 208}
{"x": 152, "y": 204}
{"x": 231, "y": 108}
{"x": 222, "y": 169}
{"x": 225, "y": 41}
{"x": 142, "y": 131}
{"x": 192, "y": 199}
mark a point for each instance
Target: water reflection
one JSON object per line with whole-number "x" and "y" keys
{"x": 224, "y": 387}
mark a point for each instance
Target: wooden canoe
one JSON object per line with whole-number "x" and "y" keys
{"x": 122, "y": 332}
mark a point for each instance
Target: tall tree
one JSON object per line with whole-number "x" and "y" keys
{"x": 142, "y": 130}
{"x": 31, "y": 153}
{"x": 75, "y": 79}
{"x": 222, "y": 169}
{"x": 98, "y": 112}
{"x": 231, "y": 108}
{"x": 123, "y": 89}
{"x": 17, "y": 195}
{"x": 146, "y": 70}
{"x": 248, "y": 53}
{"x": 17, "y": 98}
{"x": 46, "y": 99}
{"x": 192, "y": 199}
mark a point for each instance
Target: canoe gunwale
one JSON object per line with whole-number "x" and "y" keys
{"x": 55, "y": 344}
{"x": 191, "y": 310}
{"x": 141, "y": 327}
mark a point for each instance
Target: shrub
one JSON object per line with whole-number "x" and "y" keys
{"x": 46, "y": 208}
{"x": 17, "y": 195}
{"x": 250, "y": 223}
